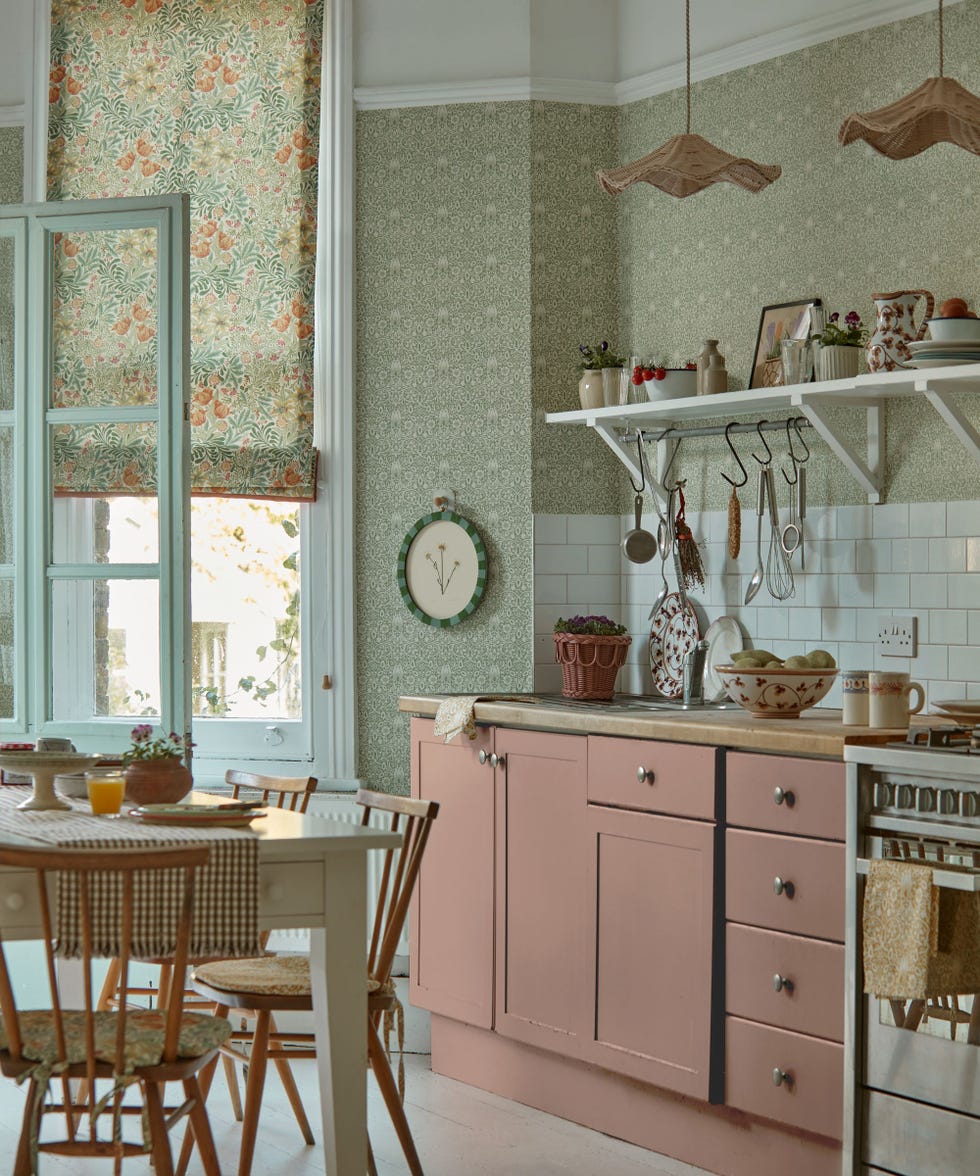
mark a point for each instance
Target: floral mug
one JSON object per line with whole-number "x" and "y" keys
{"x": 888, "y": 702}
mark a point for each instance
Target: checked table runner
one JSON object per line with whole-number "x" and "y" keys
{"x": 226, "y": 893}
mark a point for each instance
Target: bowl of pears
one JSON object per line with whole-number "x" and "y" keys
{"x": 771, "y": 687}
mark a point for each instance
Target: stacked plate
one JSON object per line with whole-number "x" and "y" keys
{"x": 930, "y": 353}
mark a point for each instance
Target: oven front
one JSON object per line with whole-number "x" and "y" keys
{"x": 916, "y": 1089}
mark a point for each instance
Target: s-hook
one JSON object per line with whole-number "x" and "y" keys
{"x": 792, "y": 456}
{"x": 799, "y": 435}
{"x": 639, "y": 452}
{"x": 745, "y": 472}
{"x": 767, "y": 460}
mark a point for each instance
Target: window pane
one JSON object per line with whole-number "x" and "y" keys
{"x": 105, "y": 649}
{"x": 105, "y": 530}
{"x": 7, "y": 631}
{"x": 7, "y": 490}
{"x": 104, "y": 318}
{"x": 7, "y": 304}
{"x": 245, "y": 608}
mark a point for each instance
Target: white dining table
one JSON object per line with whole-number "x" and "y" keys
{"x": 312, "y": 873}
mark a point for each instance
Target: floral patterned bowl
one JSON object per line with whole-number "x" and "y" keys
{"x": 775, "y": 694}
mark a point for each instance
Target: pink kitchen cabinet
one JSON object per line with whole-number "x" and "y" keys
{"x": 543, "y": 896}
{"x": 452, "y": 921}
{"x": 652, "y": 882}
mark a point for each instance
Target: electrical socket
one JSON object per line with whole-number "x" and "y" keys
{"x": 898, "y": 636}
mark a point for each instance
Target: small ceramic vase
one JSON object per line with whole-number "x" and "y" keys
{"x": 590, "y": 392}
{"x": 838, "y": 363}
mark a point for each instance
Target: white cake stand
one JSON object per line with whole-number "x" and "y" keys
{"x": 42, "y": 767}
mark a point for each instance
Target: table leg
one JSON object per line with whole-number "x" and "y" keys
{"x": 338, "y": 970}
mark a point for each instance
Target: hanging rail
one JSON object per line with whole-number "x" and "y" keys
{"x": 672, "y": 434}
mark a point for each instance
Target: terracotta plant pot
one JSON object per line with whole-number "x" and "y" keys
{"x": 157, "y": 781}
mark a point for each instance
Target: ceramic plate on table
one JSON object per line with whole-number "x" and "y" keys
{"x": 195, "y": 814}
{"x": 724, "y": 638}
{"x": 674, "y": 632}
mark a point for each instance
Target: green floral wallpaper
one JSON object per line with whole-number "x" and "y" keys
{"x": 11, "y": 165}
{"x": 484, "y": 257}
{"x": 841, "y": 223}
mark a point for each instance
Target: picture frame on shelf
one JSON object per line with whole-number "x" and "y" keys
{"x": 784, "y": 320}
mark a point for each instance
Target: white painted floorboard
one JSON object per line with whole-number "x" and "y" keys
{"x": 459, "y": 1131}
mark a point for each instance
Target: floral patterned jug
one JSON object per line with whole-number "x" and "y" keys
{"x": 888, "y": 343}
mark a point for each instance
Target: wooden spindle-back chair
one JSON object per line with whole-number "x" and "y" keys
{"x": 127, "y": 1046}
{"x": 231, "y": 983}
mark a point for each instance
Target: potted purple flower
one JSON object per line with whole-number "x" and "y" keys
{"x": 155, "y": 771}
{"x": 590, "y": 651}
{"x": 840, "y": 345}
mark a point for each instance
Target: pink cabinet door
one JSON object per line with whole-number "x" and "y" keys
{"x": 452, "y": 918}
{"x": 651, "y": 883}
{"x": 542, "y": 891}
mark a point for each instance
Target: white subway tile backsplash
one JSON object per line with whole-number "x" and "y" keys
{"x": 862, "y": 562}
{"x": 550, "y": 528}
{"x": 890, "y": 521}
{"x": 962, "y": 518}
{"x": 947, "y": 555}
{"x": 948, "y": 626}
{"x": 927, "y": 518}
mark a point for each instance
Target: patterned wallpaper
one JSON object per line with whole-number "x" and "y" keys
{"x": 841, "y": 223}
{"x": 11, "y": 165}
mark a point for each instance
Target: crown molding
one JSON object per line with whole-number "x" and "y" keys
{"x": 862, "y": 15}
{"x": 13, "y": 116}
{"x": 486, "y": 90}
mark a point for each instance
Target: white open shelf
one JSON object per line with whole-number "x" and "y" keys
{"x": 942, "y": 388}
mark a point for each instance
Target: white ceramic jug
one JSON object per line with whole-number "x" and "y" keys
{"x": 888, "y": 343}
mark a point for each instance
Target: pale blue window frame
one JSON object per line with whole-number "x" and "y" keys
{"x": 32, "y": 227}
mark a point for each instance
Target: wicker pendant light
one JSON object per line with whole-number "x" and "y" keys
{"x": 687, "y": 163}
{"x": 938, "y": 111}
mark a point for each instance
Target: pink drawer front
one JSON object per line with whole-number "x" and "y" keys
{"x": 811, "y": 1077}
{"x": 808, "y": 996}
{"x": 786, "y": 795}
{"x": 677, "y": 778}
{"x": 792, "y": 884}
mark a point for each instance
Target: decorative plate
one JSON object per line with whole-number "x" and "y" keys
{"x": 918, "y": 362}
{"x": 960, "y": 708}
{"x": 724, "y": 637}
{"x": 442, "y": 569}
{"x": 195, "y": 814}
{"x": 674, "y": 632}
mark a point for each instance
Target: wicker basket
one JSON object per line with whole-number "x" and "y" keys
{"x": 589, "y": 663}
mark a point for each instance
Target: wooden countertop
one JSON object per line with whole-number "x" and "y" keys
{"x": 818, "y": 733}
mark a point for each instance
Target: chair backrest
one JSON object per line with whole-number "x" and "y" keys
{"x": 290, "y": 792}
{"x": 413, "y": 819}
{"x": 103, "y": 881}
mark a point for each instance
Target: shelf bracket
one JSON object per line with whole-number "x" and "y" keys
{"x": 867, "y": 474}
{"x": 938, "y": 396}
{"x": 626, "y": 452}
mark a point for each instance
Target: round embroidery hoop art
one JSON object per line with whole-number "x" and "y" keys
{"x": 456, "y": 551}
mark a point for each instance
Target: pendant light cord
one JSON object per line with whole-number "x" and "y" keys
{"x": 687, "y": 8}
{"x": 940, "y": 38}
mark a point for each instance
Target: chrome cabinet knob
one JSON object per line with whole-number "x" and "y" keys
{"x": 784, "y": 796}
{"x": 497, "y": 761}
{"x": 644, "y": 775}
{"x": 781, "y": 983}
{"x": 782, "y": 1078}
{"x": 783, "y": 887}
{"x": 484, "y": 756}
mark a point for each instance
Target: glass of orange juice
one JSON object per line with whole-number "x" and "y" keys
{"x": 106, "y": 787}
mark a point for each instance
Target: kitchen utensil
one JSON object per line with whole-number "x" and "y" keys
{"x": 756, "y": 582}
{"x": 801, "y": 513}
{"x": 662, "y": 594}
{"x": 639, "y": 546}
{"x": 203, "y": 815}
{"x": 789, "y": 536}
{"x": 960, "y": 707}
{"x": 855, "y": 696}
{"x": 779, "y": 575}
{"x": 724, "y": 638}
{"x": 734, "y": 525}
{"x": 674, "y": 633}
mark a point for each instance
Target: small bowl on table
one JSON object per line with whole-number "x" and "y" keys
{"x": 775, "y": 693}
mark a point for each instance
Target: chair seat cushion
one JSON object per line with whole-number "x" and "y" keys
{"x": 145, "y": 1031}
{"x": 280, "y": 975}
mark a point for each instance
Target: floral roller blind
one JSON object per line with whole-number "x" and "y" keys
{"x": 218, "y": 98}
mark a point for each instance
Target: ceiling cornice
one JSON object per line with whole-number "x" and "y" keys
{"x": 863, "y": 14}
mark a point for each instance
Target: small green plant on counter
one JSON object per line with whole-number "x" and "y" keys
{"x": 596, "y": 626}
{"x": 849, "y": 333}
{"x": 598, "y": 357}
